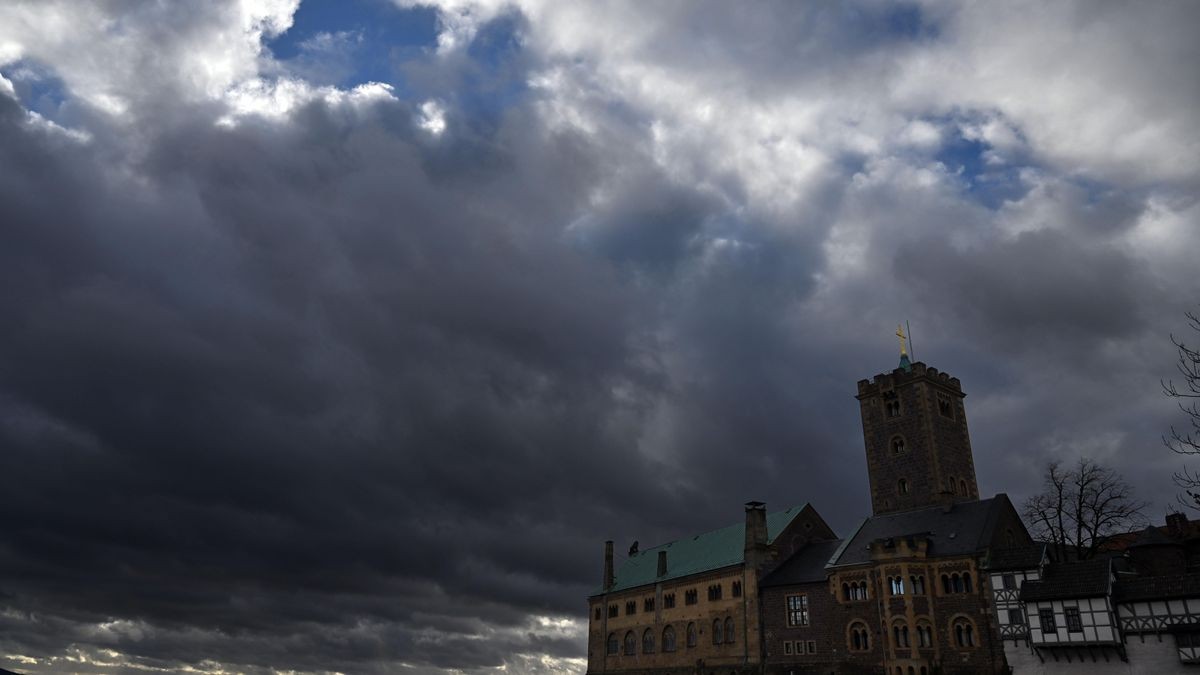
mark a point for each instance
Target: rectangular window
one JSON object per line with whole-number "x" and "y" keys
{"x": 612, "y": 611}
{"x": 714, "y": 592}
{"x": 737, "y": 589}
{"x": 1010, "y": 582}
{"x": 787, "y": 647}
{"x": 631, "y": 607}
{"x": 812, "y": 646}
{"x": 1046, "y": 618}
{"x": 648, "y": 605}
{"x": 1016, "y": 617}
{"x": 1074, "y": 623}
{"x": 799, "y": 649}
{"x": 689, "y": 597}
{"x": 797, "y": 610}
{"x": 669, "y": 601}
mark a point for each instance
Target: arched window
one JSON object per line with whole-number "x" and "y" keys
{"x": 630, "y": 644}
{"x": 859, "y": 638}
{"x": 614, "y": 645}
{"x": 902, "y": 487}
{"x": 691, "y": 635}
{"x": 967, "y": 582}
{"x": 946, "y": 583}
{"x": 911, "y": 671}
{"x": 729, "y": 638}
{"x": 648, "y": 642}
{"x": 845, "y": 591}
{"x": 918, "y": 584}
{"x": 953, "y": 485}
{"x": 668, "y": 643}
{"x": 924, "y": 634}
{"x": 964, "y": 632}
{"x": 897, "y": 445}
{"x": 717, "y": 632}
{"x": 962, "y": 487}
{"x": 900, "y": 634}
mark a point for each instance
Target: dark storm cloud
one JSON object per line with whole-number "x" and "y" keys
{"x": 326, "y": 389}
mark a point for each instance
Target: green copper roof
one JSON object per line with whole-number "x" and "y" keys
{"x": 905, "y": 364}
{"x": 701, "y": 553}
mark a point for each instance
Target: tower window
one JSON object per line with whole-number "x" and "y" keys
{"x": 897, "y": 445}
{"x": 945, "y": 406}
{"x": 891, "y": 404}
{"x": 902, "y": 487}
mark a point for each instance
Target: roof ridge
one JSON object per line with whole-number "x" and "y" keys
{"x": 718, "y": 529}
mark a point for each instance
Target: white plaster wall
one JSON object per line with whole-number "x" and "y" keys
{"x": 1149, "y": 658}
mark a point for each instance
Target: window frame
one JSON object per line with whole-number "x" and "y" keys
{"x": 799, "y": 612}
{"x": 1046, "y": 620}
{"x": 1073, "y": 618}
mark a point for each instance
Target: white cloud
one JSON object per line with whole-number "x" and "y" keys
{"x": 433, "y": 117}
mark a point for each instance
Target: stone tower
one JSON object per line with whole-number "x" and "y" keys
{"x": 915, "y": 430}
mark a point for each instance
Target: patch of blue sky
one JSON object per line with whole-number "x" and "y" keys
{"x": 985, "y": 176}
{"x": 498, "y": 76}
{"x": 37, "y": 88}
{"x": 874, "y": 24}
{"x": 372, "y": 38}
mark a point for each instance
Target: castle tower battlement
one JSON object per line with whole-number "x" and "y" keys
{"x": 917, "y": 444}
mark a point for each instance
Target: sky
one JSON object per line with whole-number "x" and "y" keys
{"x": 339, "y": 336}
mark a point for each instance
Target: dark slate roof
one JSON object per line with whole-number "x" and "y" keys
{"x": 1084, "y": 579}
{"x": 1149, "y": 588}
{"x": 1023, "y": 558}
{"x": 1152, "y": 536}
{"x": 693, "y": 555}
{"x": 805, "y": 566}
{"x": 964, "y": 529}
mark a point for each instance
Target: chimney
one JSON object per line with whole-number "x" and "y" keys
{"x": 608, "y": 565}
{"x": 1177, "y": 525}
{"x": 662, "y": 563}
{"x": 756, "y": 533}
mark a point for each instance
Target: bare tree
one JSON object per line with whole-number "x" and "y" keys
{"x": 1082, "y": 507}
{"x": 1187, "y": 442}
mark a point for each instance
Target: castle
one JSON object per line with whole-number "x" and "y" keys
{"x": 935, "y": 581}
